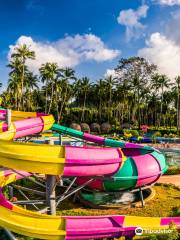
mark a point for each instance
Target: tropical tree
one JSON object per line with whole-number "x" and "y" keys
{"x": 138, "y": 72}
{"x": 176, "y": 89}
{"x": 48, "y": 74}
{"x": 22, "y": 53}
{"x": 110, "y": 82}
{"x": 84, "y": 88}
{"x": 99, "y": 89}
{"x": 67, "y": 77}
{"x": 160, "y": 82}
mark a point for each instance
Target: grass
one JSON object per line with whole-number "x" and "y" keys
{"x": 173, "y": 170}
{"x": 164, "y": 204}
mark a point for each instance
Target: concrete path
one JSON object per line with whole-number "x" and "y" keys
{"x": 173, "y": 179}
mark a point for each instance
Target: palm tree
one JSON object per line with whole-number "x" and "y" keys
{"x": 176, "y": 88}
{"x": 14, "y": 88}
{"x": 160, "y": 82}
{"x": 110, "y": 82}
{"x": 49, "y": 72}
{"x": 31, "y": 83}
{"x": 22, "y": 53}
{"x": 66, "y": 75}
{"x": 84, "y": 89}
{"x": 99, "y": 94}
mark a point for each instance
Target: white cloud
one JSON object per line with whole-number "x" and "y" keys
{"x": 110, "y": 72}
{"x": 169, "y": 2}
{"x": 131, "y": 20}
{"x": 163, "y": 52}
{"x": 68, "y": 51}
{"x": 173, "y": 23}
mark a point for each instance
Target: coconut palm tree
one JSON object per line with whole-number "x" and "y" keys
{"x": 22, "y": 53}
{"x": 100, "y": 86}
{"x": 14, "y": 88}
{"x": 67, "y": 77}
{"x": 176, "y": 90}
{"x": 48, "y": 74}
{"x": 31, "y": 83}
{"x": 85, "y": 86}
{"x": 111, "y": 83}
{"x": 160, "y": 82}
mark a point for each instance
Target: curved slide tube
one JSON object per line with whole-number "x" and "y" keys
{"x": 25, "y": 127}
{"x": 60, "y": 160}
{"x": 44, "y": 226}
{"x": 67, "y": 161}
{"x": 143, "y": 166}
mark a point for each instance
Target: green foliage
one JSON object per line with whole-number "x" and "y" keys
{"x": 176, "y": 211}
{"x": 157, "y": 134}
{"x": 133, "y": 133}
{"x": 116, "y": 100}
{"x": 173, "y": 170}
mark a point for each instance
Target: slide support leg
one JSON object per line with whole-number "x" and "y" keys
{"x": 50, "y": 194}
{"x": 141, "y": 197}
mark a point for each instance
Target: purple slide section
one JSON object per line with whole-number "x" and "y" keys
{"x": 28, "y": 127}
{"x": 148, "y": 169}
{"x": 169, "y": 220}
{"x": 91, "y": 161}
{"x": 89, "y": 227}
{"x": 93, "y": 138}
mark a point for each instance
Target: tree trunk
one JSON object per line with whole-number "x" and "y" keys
{"x": 63, "y": 102}
{"x": 139, "y": 114}
{"x": 22, "y": 85}
{"x": 84, "y": 105}
{"x": 178, "y": 112}
{"x": 52, "y": 93}
{"x": 46, "y": 100}
{"x": 162, "y": 91}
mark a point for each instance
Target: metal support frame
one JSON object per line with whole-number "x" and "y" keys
{"x": 30, "y": 202}
{"x": 10, "y": 235}
{"x": 141, "y": 197}
{"x": 26, "y": 197}
{"x": 28, "y": 190}
{"x": 64, "y": 196}
{"x": 30, "y": 179}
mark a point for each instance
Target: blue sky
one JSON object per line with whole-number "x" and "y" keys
{"x": 58, "y": 24}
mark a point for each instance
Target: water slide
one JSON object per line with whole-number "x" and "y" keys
{"x": 65, "y": 161}
{"x": 143, "y": 166}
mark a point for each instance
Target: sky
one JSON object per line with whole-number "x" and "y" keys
{"x": 91, "y": 36}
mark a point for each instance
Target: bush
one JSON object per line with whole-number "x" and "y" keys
{"x": 105, "y": 128}
{"x": 172, "y": 135}
{"x": 132, "y": 133}
{"x": 95, "y": 127}
{"x": 75, "y": 126}
{"x": 85, "y": 127}
{"x": 173, "y": 171}
{"x": 157, "y": 134}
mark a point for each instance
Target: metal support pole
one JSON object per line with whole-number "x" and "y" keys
{"x": 11, "y": 192}
{"x": 60, "y": 139}
{"x": 50, "y": 190}
{"x": 8, "y": 118}
{"x": 9, "y": 234}
{"x": 141, "y": 197}
{"x": 50, "y": 194}
{"x": 60, "y": 143}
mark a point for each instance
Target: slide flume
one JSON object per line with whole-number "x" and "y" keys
{"x": 66, "y": 161}
{"x": 143, "y": 166}
{"x": 44, "y": 226}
